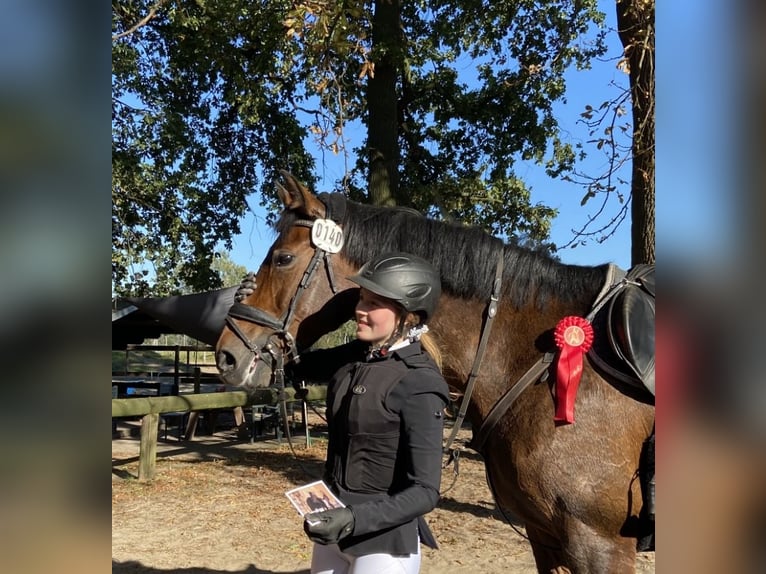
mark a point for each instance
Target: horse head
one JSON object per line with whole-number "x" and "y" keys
{"x": 300, "y": 291}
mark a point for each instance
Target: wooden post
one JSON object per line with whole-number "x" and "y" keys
{"x": 176, "y": 365}
{"x": 191, "y": 424}
{"x": 148, "y": 450}
{"x": 197, "y": 377}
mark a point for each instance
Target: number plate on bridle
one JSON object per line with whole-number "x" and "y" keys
{"x": 326, "y": 235}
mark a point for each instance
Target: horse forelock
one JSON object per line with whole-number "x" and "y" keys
{"x": 286, "y": 220}
{"x": 466, "y": 256}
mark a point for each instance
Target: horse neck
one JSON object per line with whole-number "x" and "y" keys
{"x": 538, "y": 291}
{"x": 518, "y": 338}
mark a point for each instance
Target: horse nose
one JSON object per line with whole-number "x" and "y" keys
{"x": 225, "y": 361}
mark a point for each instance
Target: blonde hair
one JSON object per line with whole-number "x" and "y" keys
{"x": 429, "y": 346}
{"x": 426, "y": 340}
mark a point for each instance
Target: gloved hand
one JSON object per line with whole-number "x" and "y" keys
{"x": 246, "y": 288}
{"x": 329, "y": 526}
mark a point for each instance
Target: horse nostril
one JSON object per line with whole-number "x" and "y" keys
{"x": 225, "y": 361}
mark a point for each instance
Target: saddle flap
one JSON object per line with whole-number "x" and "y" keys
{"x": 631, "y": 317}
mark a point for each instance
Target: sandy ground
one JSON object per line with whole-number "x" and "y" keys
{"x": 217, "y": 504}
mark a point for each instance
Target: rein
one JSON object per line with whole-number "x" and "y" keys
{"x": 538, "y": 371}
{"x": 472, "y": 376}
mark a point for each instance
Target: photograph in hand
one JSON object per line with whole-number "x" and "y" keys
{"x": 313, "y": 497}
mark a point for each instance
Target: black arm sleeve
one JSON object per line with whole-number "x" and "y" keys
{"x": 320, "y": 365}
{"x": 420, "y": 398}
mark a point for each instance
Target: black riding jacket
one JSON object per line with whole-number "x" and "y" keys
{"x": 385, "y": 441}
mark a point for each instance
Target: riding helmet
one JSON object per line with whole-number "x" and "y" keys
{"x": 407, "y": 279}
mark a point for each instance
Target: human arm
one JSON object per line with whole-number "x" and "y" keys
{"x": 321, "y": 364}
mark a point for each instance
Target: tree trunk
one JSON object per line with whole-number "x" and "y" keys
{"x": 635, "y": 22}
{"x": 382, "y": 128}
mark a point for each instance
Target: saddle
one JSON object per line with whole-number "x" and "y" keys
{"x": 623, "y": 320}
{"x": 626, "y": 315}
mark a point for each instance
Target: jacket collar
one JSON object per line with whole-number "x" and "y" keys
{"x": 406, "y": 350}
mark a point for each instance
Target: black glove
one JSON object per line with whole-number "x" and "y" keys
{"x": 329, "y": 526}
{"x": 246, "y": 288}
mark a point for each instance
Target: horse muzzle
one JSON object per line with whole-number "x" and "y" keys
{"x": 243, "y": 362}
{"x": 239, "y": 366}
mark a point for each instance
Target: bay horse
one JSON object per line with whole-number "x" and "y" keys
{"x": 574, "y": 486}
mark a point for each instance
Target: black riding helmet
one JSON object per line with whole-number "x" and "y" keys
{"x": 407, "y": 279}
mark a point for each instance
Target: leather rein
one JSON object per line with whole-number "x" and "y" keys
{"x": 486, "y": 329}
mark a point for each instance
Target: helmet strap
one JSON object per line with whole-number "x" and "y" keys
{"x": 378, "y": 351}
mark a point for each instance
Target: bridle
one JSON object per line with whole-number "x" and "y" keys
{"x": 275, "y": 353}
{"x": 281, "y": 343}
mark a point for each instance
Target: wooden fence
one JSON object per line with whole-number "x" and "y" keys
{"x": 150, "y": 408}
{"x": 160, "y": 368}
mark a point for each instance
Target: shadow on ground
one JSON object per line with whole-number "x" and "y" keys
{"x": 132, "y": 567}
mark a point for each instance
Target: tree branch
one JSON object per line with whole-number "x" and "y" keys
{"x": 151, "y": 14}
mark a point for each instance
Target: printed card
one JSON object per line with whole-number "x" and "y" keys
{"x": 313, "y": 497}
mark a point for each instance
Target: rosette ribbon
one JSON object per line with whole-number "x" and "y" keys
{"x": 574, "y": 337}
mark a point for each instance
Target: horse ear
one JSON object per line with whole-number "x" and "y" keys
{"x": 296, "y": 197}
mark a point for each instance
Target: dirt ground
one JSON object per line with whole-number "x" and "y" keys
{"x": 217, "y": 504}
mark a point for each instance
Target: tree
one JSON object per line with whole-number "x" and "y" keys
{"x": 231, "y": 273}
{"x": 195, "y": 130}
{"x": 210, "y": 99}
{"x": 622, "y": 143}
{"x": 635, "y": 20}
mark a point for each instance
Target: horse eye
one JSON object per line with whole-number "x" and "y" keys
{"x": 282, "y": 259}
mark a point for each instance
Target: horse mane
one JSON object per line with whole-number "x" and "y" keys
{"x": 466, "y": 256}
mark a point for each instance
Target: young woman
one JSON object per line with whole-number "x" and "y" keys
{"x": 384, "y": 412}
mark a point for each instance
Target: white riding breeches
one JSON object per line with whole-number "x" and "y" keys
{"x": 329, "y": 559}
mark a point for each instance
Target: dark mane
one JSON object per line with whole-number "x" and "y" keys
{"x": 465, "y": 256}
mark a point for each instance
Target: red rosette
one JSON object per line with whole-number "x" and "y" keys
{"x": 574, "y": 337}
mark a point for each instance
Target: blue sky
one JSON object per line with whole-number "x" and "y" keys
{"x": 583, "y": 87}
{"x": 699, "y": 192}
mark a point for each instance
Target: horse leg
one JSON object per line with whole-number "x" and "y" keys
{"x": 587, "y": 550}
{"x": 584, "y": 551}
{"x": 549, "y": 557}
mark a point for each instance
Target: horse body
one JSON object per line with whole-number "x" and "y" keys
{"x": 574, "y": 486}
